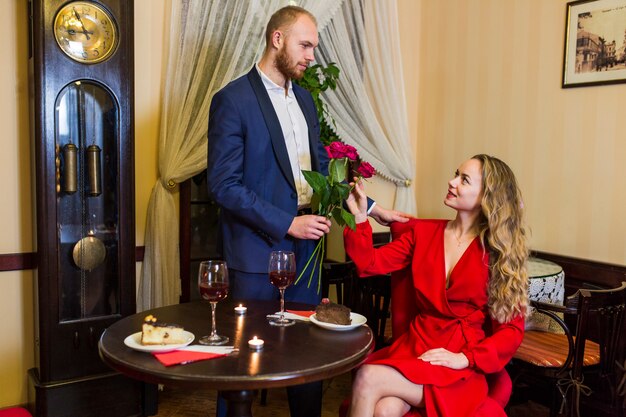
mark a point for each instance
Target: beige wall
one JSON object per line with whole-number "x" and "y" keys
{"x": 480, "y": 76}
{"x": 150, "y": 24}
{"x": 16, "y": 210}
{"x": 489, "y": 81}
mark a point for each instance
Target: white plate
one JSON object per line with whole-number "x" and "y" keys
{"x": 134, "y": 342}
{"x": 357, "y": 320}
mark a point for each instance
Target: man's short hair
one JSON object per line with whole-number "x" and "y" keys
{"x": 284, "y": 18}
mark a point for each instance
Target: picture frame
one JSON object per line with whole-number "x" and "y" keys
{"x": 595, "y": 43}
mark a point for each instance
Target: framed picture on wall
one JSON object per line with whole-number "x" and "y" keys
{"x": 595, "y": 43}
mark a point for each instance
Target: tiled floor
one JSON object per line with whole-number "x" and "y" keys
{"x": 197, "y": 402}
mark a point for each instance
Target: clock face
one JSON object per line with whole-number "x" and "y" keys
{"x": 86, "y": 32}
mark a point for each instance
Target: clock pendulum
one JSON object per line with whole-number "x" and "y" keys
{"x": 89, "y": 252}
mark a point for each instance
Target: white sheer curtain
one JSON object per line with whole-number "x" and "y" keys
{"x": 211, "y": 43}
{"x": 369, "y": 103}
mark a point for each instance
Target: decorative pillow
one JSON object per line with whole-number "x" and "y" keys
{"x": 549, "y": 289}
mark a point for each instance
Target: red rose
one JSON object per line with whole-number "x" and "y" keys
{"x": 338, "y": 150}
{"x": 366, "y": 170}
{"x": 351, "y": 153}
{"x": 335, "y": 150}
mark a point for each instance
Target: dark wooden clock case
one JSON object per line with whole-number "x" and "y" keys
{"x": 69, "y": 378}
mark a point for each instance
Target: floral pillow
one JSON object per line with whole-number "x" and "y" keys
{"x": 548, "y": 289}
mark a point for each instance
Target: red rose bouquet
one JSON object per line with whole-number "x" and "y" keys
{"x": 329, "y": 193}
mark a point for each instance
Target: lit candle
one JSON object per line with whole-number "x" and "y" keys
{"x": 255, "y": 343}
{"x": 241, "y": 310}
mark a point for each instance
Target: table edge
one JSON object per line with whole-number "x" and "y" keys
{"x": 250, "y": 383}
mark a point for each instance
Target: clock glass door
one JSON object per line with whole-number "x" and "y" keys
{"x": 86, "y": 123}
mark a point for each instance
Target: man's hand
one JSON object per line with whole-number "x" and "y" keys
{"x": 385, "y": 217}
{"x": 443, "y": 357}
{"x": 309, "y": 226}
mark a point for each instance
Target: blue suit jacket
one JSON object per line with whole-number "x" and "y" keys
{"x": 249, "y": 174}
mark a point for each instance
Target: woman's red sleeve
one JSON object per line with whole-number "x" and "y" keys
{"x": 495, "y": 351}
{"x": 369, "y": 261}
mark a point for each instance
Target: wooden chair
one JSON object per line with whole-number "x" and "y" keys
{"x": 373, "y": 297}
{"x": 583, "y": 365}
{"x": 367, "y": 296}
{"x": 375, "y": 301}
{"x": 342, "y": 275}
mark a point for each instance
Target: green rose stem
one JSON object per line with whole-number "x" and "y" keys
{"x": 318, "y": 256}
{"x": 319, "y": 250}
{"x": 329, "y": 193}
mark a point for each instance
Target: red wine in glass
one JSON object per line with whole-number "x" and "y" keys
{"x": 213, "y": 287}
{"x": 282, "y": 271}
{"x": 215, "y": 291}
{"x": 282, "y": 279}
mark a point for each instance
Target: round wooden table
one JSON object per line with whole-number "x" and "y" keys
{"x": 291, "y": 355}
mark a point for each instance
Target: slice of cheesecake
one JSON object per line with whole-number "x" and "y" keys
{"x": 156, "y": 333}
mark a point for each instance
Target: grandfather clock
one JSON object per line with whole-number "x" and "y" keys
{"x": 82, "y": 118}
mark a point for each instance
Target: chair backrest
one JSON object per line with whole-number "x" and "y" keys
{"x": 367, "y": 296}
{"x": 343, "y": 276}
{"x": 370, "y": 296}
{"x": 600, "y": 316}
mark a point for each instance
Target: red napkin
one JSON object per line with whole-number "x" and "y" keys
{"x": 303, "y": 313}
{"x": 177, "y": 357}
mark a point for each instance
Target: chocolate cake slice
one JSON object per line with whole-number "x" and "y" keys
{"x": 330, "y": 312}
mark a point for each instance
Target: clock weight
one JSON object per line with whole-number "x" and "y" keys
{"x": 93, "y": 170}
{"x": 70, "y": 161}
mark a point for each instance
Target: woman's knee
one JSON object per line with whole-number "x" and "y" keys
{"x": 367, "y": 378}
{"x": 391, "y": 407}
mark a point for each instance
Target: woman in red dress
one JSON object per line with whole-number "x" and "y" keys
{"x": 465, "y": 272}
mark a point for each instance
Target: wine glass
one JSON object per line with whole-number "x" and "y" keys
{"x": 213, "y": 287}
{"x": 282, "y": 270}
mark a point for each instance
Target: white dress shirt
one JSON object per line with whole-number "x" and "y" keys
{"x": 295, "y": 132}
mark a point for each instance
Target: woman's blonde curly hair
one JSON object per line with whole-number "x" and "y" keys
{"x": 503, "y": 234}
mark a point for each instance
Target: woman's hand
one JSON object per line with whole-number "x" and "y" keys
{"x": 443, "y": 357}
{"x": 385, "y": 217}
{"x": 357, "y": 201}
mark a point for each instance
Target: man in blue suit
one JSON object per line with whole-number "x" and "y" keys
{"x": 263, "y": 131}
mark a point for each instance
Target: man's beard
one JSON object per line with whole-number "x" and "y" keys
{"x": 283, "y": 65}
